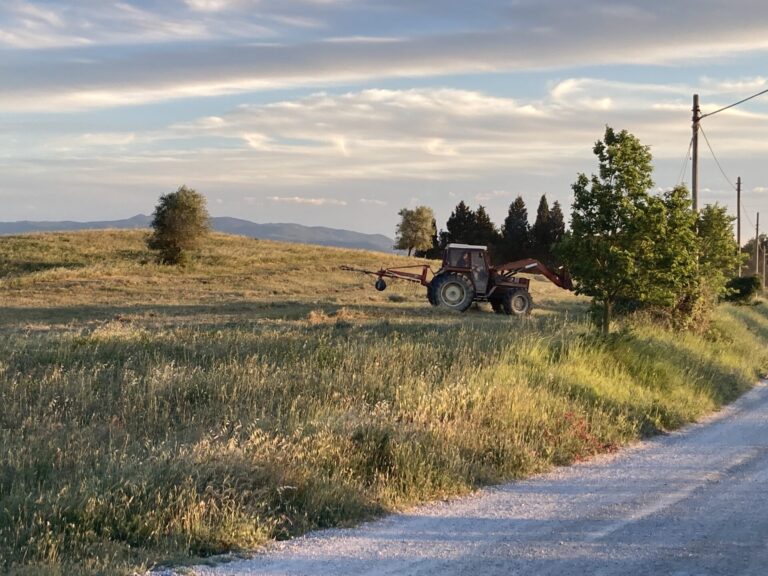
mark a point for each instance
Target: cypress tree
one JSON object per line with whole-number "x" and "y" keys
{"x": 460, "y": 227}
{"x": 541, "y": 231}
{"x": 515, "y": 234}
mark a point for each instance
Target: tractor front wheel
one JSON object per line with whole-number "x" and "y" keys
{"x": 453, "y": 291}
{"x": 517, "y": 303}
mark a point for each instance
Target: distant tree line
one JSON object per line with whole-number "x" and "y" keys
{"x": 418, "y": 234}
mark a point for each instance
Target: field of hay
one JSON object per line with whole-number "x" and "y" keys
{"x": 152, "y": 414}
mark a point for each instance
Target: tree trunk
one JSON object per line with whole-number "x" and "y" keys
{"x": 607, "y": 306}
{"x": 409, "y": 250}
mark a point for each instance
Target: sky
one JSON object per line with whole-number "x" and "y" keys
{"x": 341, "y": 112}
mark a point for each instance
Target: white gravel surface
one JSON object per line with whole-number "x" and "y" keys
{"x": 690, "y": 503}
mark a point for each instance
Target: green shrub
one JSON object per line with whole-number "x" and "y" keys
{"x": 179, "y": 223}
{"x": 743, "y": 290}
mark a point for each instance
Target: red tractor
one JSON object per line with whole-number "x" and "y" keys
{"x": 467, "y": 276}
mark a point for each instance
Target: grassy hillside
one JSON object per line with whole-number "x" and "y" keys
{"x": 151, "y": 414}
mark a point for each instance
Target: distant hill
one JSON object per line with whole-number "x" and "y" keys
{"x": 282, "y": 232}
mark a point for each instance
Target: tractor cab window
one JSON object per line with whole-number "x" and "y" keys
{"x": 460, "y": 259}
{"x": 478, "y": 262}
{"x": 479, "y": 272}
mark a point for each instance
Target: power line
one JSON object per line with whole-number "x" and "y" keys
{"x": 734, "y": 104}
{"x": 681, "y": 178}
{"x": 716, "y": 160}
{"x": 745, "y": 212}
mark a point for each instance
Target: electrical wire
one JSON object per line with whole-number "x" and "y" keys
{"x": 734, "y": 104}
{"x": 715, "y": 158}
{"x": 745, "y": 211}
{"x": 681, "y": 178}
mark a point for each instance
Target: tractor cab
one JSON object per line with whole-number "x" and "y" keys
{"x": 470, "y": 260}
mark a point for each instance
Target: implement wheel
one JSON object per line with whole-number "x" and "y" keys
{"x": 453, "y": 291}
{"x": 517, "y": 303}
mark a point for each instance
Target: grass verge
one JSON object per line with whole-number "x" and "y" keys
{"x": 165, "y": 423}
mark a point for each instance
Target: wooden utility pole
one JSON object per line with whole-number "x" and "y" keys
{"x": 738, "y": 218}
{"x": 695, "y": 157}
{"x": 757, "y": 245}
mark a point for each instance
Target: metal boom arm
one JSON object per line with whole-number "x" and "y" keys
{"x": 397, "y": 273}
{"x": 532, "y": 266}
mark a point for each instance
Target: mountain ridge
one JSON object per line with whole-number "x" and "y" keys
{"x": 281, "y": 231}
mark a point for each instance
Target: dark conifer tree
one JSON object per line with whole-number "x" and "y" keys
{"x": 557, "y": 231}
{"x": 515, "y": 234}
{"x": 460, "y": 226}
{"x": 541, "y": 235}
{"x": 485, "y": 233}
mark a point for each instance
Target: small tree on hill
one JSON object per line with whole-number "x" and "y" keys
{"x": 416, "y": 229}
{"x": 179, "y": 224}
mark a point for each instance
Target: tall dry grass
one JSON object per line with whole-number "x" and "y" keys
{"x": 152, "y": 414}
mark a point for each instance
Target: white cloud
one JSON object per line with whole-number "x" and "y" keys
{"x": 740, "y": 85}
{"x": 309, "y": 201}
{"x": 492, "y": 195}
{"x": 496, "y": 37}
{"x": 212, "y": 5}
{"x": 363, "y": 39}
{"x": 760, "y": 189}
{"x": 372, "y": 201}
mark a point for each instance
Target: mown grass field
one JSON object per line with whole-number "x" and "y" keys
{"x": 151, "y": 414}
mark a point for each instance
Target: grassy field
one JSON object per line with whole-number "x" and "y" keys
{"x": 150, "y": 414}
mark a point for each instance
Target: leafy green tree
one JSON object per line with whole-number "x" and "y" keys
{"x": 602, "y": 250}
{"x": 433, "y": 251}
{"x": 748, "y": 255}
{"x": 416, "y": 229}
{"x": 515, "y": 233}
{"x": 719, "y": 253}
{"x": 179, "y": 224}
{"x": 666, "y": 251}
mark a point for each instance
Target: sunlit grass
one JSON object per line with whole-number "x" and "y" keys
{"x": 153, "y": 414}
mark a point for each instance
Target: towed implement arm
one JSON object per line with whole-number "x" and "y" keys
{"x": 531, "y": 266}
{"x": 399, "y": 273}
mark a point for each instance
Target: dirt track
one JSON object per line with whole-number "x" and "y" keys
{"x": 691, "y": 503}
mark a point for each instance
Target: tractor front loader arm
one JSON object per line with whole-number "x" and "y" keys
{"x": 532, "y": 266}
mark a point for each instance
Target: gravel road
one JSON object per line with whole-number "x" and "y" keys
{"x": 693, "y": 502}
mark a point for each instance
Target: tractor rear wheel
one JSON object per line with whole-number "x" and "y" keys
{"x": 517, "y": 303}
{"x": 453, "y": 291}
